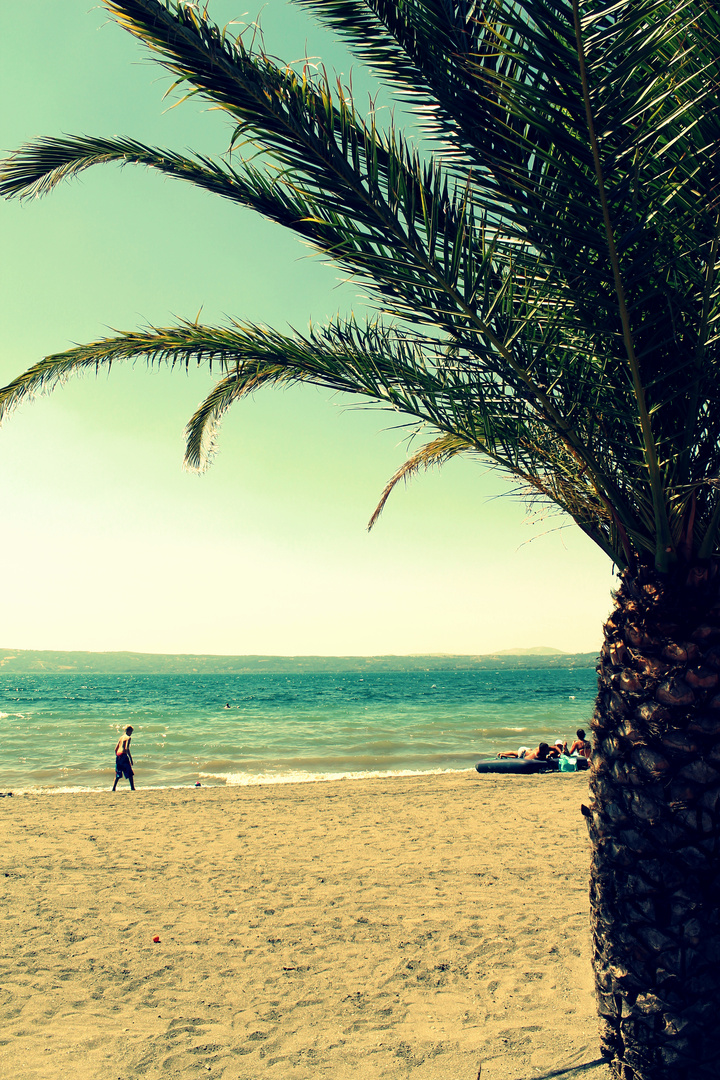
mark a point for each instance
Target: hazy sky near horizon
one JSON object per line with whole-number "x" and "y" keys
{"x": 107, "y": 543}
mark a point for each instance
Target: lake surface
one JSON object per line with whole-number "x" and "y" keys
{"x": 59, "y": 731}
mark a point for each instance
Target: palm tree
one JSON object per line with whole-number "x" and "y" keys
{"x": 547, "y": 298}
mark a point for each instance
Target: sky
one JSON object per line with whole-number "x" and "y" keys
{"x": 107, "y": 544}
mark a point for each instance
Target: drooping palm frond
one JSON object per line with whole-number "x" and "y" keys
{"x": 416, "y": 377}
{"x": 434, "y": 453}
{"x": 413, "y": 375}
{"x": 37, "y": 168}
{"x": 559, "y": 267}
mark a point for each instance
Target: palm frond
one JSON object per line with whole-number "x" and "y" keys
{"x": 413, "y": 376}
{"x": 434, "y": 453}
{"x": 453, "y": 273}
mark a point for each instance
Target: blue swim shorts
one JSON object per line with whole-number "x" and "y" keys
{"x": 123, "y": 766}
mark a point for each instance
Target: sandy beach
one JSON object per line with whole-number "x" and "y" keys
{"x": 426, "y": 927}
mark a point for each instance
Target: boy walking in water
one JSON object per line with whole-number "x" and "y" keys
{"x": 123, "y": 759}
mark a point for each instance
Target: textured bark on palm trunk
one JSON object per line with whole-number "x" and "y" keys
{"x": 654, "y": 821}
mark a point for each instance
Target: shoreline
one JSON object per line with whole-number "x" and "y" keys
{"x": 255, "y": 781}
{"x": 398, "y": 926}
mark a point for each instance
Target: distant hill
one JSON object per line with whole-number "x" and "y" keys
{"x": 539, "y": 650}
{"x": 22, "y": 661}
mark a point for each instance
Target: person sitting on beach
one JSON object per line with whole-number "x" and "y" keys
{"x": 540, "y": 753}
{"x": 123, "y": 759}
{"x": 581, "y": 745}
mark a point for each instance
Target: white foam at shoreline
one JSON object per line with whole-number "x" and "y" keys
{"x": 255, "y": 779}
{"x": 245, "y": 780}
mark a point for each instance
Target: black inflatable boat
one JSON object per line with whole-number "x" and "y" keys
{"x": 521, "y": 765}
{"x": 516, "y": 765}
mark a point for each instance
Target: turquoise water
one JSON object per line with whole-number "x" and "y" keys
{"x": 59, "y": 731}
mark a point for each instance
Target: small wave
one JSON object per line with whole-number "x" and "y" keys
{"x": 496, "y": 733}
{"x": 255, "y": 779}
{"x": 98, "y": 790}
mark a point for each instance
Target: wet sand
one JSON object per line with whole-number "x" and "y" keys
{"x": 424, "y": 927}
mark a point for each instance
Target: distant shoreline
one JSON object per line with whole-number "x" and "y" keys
{"x": 50, "y": 662}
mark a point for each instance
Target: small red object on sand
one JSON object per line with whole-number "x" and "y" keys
{"x": 156, "y": 940}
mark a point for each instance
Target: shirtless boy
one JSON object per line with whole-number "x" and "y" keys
{"x": 123, "y": 759}
{"x": 540, "y": 753}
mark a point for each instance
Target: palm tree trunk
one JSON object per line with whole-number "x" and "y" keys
{"x": 654, "y": 822}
